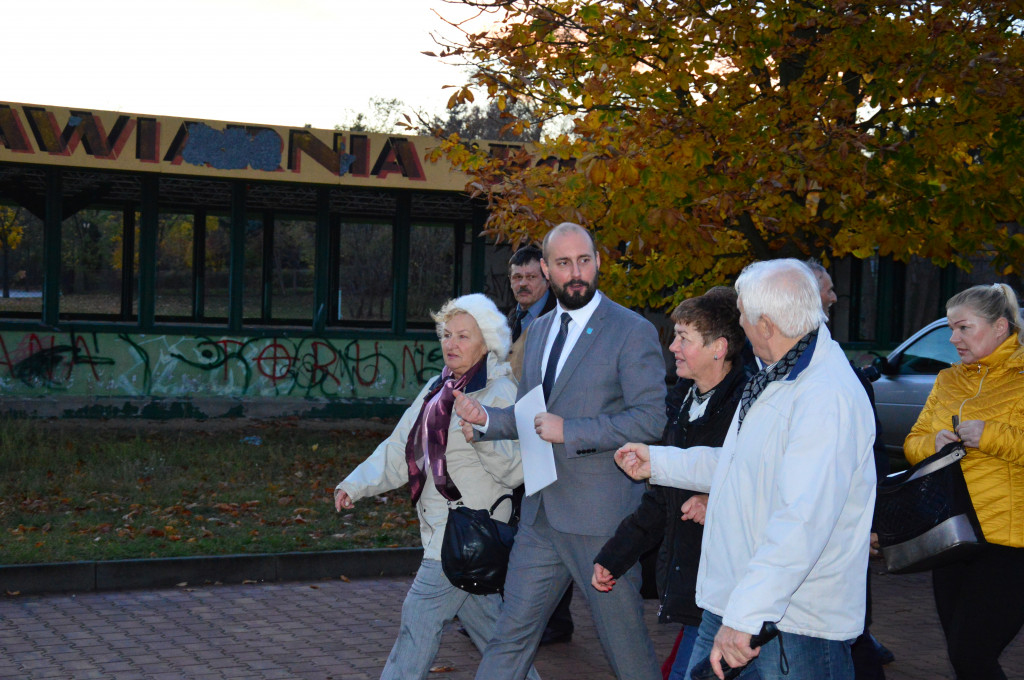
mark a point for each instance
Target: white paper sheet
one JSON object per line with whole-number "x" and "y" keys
{"x": 538, "y": 455}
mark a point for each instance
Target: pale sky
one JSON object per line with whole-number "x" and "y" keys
{"x": 279, "y": 62}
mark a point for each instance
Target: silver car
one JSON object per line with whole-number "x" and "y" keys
{"x": 906, "y": 380}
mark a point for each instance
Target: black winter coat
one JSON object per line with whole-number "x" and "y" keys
{"x": 658, "y": 516}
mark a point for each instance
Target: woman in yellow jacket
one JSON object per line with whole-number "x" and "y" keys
{"x": 981, "y": 601}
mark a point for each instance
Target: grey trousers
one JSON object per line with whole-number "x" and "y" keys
{"x": 431, "y": 602}
{"x": 543, "y": 563}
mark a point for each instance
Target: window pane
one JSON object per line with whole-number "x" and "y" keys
{"x": 21, "y": 262}
{"x": 496, "y": 282}
{"x": 90, "y": 282}
{"x": 218, "y": 257}
{"x": 174, "y": 266}
{"x": 930, "y": 354}
{"x": 364, "y": 273}
{"x": 292, "y": 270}
{"x": 192, "y": 250}
{"x": 252, "y": 309}
{"x": 431, "y": 270}
{"x": 94, "y": 247}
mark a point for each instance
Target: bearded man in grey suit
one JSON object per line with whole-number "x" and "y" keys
{"x": 603, "y": 374}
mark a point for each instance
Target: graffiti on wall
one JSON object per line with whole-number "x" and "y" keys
{"x": 154, "y": 365}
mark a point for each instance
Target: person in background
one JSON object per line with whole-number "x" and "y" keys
{"x": 601, "y": 371}
{"x": 530, "y": 289}
{"x": 869, "y": 655}
{"x": 980, "y": 402}
{"x": 792, "y": 490}
{"x": 707, "y": 347}
{"x": 533, "y": 300}
{"x": 428, "y": 451}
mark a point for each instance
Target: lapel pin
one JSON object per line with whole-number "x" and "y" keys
{"x": 589, "y": 331}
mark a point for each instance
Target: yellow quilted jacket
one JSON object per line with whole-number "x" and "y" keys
{"x": 991, "y": 390}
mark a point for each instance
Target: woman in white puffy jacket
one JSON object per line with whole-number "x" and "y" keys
{"x": 428, "y": 452}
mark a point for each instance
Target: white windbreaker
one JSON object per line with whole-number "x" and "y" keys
{"x": 791, "y": 500}
{"x": 482, "y": 471}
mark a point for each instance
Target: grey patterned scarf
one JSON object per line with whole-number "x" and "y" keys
{"x": 780, "y": 369}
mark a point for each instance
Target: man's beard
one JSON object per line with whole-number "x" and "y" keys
{"x": 575, "y": 300}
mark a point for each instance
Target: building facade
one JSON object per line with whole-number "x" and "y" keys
{"x": 165, "y": 266}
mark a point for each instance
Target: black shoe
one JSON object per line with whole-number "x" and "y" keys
{"x": 885, "y": 656}
{"x": 553, "y": 636}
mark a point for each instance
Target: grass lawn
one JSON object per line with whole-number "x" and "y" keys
{"x": 104, "y": 490}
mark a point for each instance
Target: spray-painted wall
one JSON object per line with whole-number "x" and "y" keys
{"x": 123, "y": 365}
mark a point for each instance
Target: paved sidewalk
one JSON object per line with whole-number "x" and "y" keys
{"x": 337, "y": 630}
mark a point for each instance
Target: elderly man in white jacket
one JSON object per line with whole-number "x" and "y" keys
{"x": 791, "y": 492}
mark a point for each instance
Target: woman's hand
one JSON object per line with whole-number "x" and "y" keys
{"x": 970, "y": 432}
{"x": 635, "y": 460}
{"x": 467, "y": 431}
{"x": 944, "y": 437}
{"x": 695, "y": 508}
{"x": 602, "y": 579}
{"x": 342, "y": 501}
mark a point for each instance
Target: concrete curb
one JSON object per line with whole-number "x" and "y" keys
{"x": 79, "y": 577}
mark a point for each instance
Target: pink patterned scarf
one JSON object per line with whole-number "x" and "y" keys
{"x": 428, "y": 439}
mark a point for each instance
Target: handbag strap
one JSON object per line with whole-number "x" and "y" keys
{"x": 498, "y": 502}
{"x": 947, "y": 455}
{"x": 458, "y": 504}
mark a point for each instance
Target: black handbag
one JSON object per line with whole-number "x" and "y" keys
{"x": 924, "y": 516}
{"x": 475, "y": 549}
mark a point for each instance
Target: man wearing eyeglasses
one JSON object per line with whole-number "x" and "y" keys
{"x": 530, "y": 289}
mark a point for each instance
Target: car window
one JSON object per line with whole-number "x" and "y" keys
{"x": 929, "y": 354}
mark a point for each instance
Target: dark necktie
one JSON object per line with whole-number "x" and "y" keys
{"x": 556, "y": 352}
{"x": 517, "y": 323}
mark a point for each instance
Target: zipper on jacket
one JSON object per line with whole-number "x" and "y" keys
{"x": 976, "y": 394}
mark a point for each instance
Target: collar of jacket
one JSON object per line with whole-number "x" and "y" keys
{"x": 733, "y": 380}
{"x": 475, "y": 384}
{"x": 1009, "y": 354}
{"x": 804, "y": 360}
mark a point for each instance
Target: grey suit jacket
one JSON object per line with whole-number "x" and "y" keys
{"x": 611, "y": 390}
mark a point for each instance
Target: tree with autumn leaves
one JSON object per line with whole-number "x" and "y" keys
{"x": 709, "y": 134}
